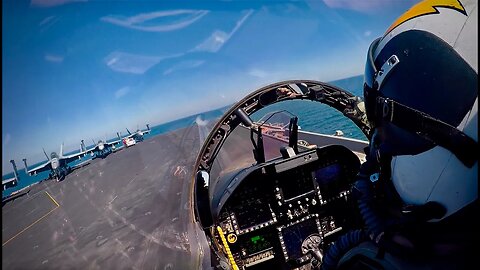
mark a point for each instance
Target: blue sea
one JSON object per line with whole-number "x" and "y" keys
{"x": 313, "y": 116}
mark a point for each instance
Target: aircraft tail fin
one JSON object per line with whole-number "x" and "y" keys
{"x": 61, "y": 150}
{"x": 15, "y": 172}
{"x": 26, "y": 166}
{"x": 45, "y": 154}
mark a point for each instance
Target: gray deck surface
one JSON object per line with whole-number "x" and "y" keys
{"x": 127, "y": 211}
{"x": 131, "y": 210}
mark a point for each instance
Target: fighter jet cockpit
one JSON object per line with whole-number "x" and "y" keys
{"x": 233, "y": 134}
{"x": 53, "y": 155}
{"x": 279, "y": 203}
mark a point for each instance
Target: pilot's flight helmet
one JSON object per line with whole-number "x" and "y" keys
{"x": 421, "y": 96}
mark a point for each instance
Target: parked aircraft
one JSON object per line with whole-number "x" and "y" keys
{"x": 102, "y": 148}
{"x": 138, "y": 135}
{"x": 58, "y": 165}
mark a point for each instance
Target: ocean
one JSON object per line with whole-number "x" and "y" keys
{"x": 313, "y": 116}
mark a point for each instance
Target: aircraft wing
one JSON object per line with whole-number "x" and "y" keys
{"x": 114, "y": 142}
{"x": 73, "y": 157}
{"x": 112, "y": 145}
{"x": 41, "y": 168}
{"x": 146, "y": 131}
{"x": 88, "y": 151}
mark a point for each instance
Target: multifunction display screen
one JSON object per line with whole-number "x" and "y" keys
{"x": 295, "y": 183}
{"x": 294, "y": 235}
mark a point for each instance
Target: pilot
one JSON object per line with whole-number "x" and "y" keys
{"x": 418, "y": 190}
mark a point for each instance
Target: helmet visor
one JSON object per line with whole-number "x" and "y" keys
{"x": 370, "y": 89}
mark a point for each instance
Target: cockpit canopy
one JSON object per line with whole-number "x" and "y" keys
{"x": 280, "y": 119}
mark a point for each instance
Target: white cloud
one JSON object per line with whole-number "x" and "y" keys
{"x": 51, "y": 3}
{"x": 122, "y": 92}
{"x": 367, "y": 33}
{"x": 213, "y": 43}
{"x": 257, "y": 73}
{"x": 135, "y": 22}
{"x": 46, "y": 20}
{"x": 184, "y": 65}
{"x": 200, "y": 121}
{"x": 53, "y": 58}
{"x": 133, "y": 63}
{"x": 218, "y": 38}
{"x": 7, "y": 139}
{"x": 357, "y": 5}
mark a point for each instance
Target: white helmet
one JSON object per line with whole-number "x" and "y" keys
{"x": 421, "y": 92}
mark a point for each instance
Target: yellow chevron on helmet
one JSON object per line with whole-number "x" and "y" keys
{"x": 454, "y": 21}
{"x": 425, "y": 8}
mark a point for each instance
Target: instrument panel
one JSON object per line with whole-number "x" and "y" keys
{"x": 290, "y": 209}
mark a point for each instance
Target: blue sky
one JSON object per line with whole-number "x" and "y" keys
{"x": 77, "y": 70}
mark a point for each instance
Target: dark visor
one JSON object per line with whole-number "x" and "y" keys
{"x": 382, "y": 110}
{"x": 370, "y": 90}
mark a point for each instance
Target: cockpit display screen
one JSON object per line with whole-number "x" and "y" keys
{"x": 294, "y": 236}
{"x": 252, "y": 211}
{"x": 295, "y": 183}
{"x": 327, "y": 175}
{"x": 329, "y": 180}
{"x": 256, "y": 244}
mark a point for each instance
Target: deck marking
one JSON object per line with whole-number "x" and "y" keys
{"x": 36, "y": 221}
{"x": 53, "y": 200}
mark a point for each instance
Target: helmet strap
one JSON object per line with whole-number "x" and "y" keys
{"x": 429, "y": 128}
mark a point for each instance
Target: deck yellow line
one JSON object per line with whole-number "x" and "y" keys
{"x": 53, "y": 200}
{"x": 35, "y": 222}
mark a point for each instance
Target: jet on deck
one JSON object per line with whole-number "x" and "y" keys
{"x": 58, "y": 165}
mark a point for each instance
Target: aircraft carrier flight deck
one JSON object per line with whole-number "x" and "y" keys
{"x": 128, "y": 211}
